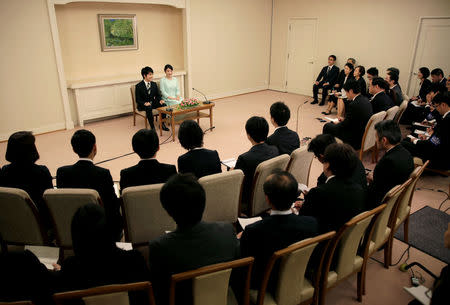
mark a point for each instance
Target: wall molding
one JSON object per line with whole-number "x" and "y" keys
{"x": 174, "y": 3}
{"x": 36, "y": 131}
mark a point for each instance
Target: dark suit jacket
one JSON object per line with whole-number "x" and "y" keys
{"x": 285, "y": 140}
{"x": 358, "y": 176}
{"x": 398, "y": 95}
{"x": 358, "y": 113}
{"x": 186, "y": 249}
{"x": 33, "y": 179}
{"x": 146, "y": 172}
{"x": 200, "y": 162}
{"x": 271, "y": 234}
{"x": 362, "y": 84}
{"x": 84, "y": 174}
{"x": 441, "y": 86}
{"x": 334, "y": 203}
{"x": 143, "y": 97}
{"x": 393, "y": 168}
{"x": 381, "y": 102}
{"x": 424, "y": 89}
{"x": 248, "y": 162}
{"x": 341, "y": 79}
{"x": 330, "y": 77}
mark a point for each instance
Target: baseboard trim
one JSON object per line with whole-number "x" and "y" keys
{"x": 36, "y": 131}
{"x": 277, "y": 88}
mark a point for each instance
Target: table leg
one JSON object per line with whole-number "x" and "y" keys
{"x": 160, "y": 123}
{"x": 210, "y": 118}
{"x": 173, "y": 127}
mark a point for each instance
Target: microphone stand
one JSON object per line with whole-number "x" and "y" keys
{"x": 206, "y": 99}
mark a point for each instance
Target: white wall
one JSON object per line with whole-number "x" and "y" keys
{"x": 377, "y": 33}
{"x": 30, "y": 97}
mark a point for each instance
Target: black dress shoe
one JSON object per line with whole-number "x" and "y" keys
{"x": 321, "y": 103}
{"x": 164, "y": 127}
{"x": 314, "y": 102}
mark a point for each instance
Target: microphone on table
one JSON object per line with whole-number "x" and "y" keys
{"x": 206, "y": 99}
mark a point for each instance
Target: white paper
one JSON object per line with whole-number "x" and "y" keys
{"x": 416, "y": 104}
{"x": 331, "y": 119}
{"x": 230, "y": 163}
{"x": 420, "y": 293}
{"x": 421, "y": 125}
{"x": 411, "y": 137}
{"x": 116, "y": 189}
{"x": 46, "y": 255}
{"x": 248, "y": 221}
{"x": 303, "y": 188}
{"x": 417, "y": 131}
{"x": 124, "y": 246}
{"x": 167, "y": 232}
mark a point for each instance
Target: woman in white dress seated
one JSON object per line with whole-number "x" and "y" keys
{"x": 170, "y": 89}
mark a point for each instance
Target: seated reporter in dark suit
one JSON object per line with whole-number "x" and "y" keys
{"x": 339, "y": 199}
{"x": 325, "y": 80}
{"x": 148, "y": 171}
{"x": 283, "y": 138}
{"x": 198, "y": 160}
{"x": 337, "y": 89}
{"x": 257, "y": 130}
{"x": 281, "y": 229}
{"x": 412, "y": 112}
{"x": 392, "y": 79}
{"x": 319, "y": 144}
{"x": 393, "y": 168}
{"x": 24, "y": 173}
{"x": 148, "y": 96}
{"x": 358, "y": 73}
{"x": 358, "y": 112}
{"x": 193, "y": 244}
{"x": 380, "y": 100}
{"x": 439, "y": 82}
{"x": 85, "y": 174}
{"x": 436, "y": 148}
{"x": 96, "y": 260}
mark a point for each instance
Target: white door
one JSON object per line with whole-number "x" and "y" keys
{"x": 432, "y": 49}
{"x": 300, "y": 57}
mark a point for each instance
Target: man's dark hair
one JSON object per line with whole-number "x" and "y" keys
{"x": 280, "y": 113}
{"x": 282, "y": 189}
{"x": 437, "y": 72}
{"x": 393, "y": 76}
{"x": 145, "y": 71}
{"x": 425, "y": 72}
{"x": 372, "y": 71}
{"x": 168, "y": 67}
{"x": 353, "y": 85}
{"x": 257, "y": 128}
{"x": 342, "y": 159}
{"x": 184, "y": 199}
{"x": 333, "y": 56}
{"x": 83, "y": 142}
{"x": 442, "y": 97}
{"x": 145, "y": 143}
{"x": 380, "y": 82}
{"x": 318, "y": 145}
{"x": 350, "y": 66}
{"x": 21, "y": 148}
{"x": 352, "y": 60}
{"x": 362, "y": 70}
{"x": 190, "y": 135}
{"x": 389, "y": 129}
{"x": 393, "y": 69}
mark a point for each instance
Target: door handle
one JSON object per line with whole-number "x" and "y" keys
{"x": 310, "y": 62}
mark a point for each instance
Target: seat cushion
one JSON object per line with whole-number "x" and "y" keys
{"x": 268, "y": 298}
{"x": 332, "y": 278}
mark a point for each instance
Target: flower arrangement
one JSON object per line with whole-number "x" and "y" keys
{"x": 192, "y": 102}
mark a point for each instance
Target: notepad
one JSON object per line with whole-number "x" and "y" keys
{"x": 230, "y": 163}
{"x": 46, "y": 255}
{"x": 248, "y": 221}
{"x": 420, "y": 125}
{"x": 124, "y": 246}
{"x": 303, "y": 188}
{"x": 420, "y": 293}
{"x": 331, "y": 119}
{"x": 416, "y": 104}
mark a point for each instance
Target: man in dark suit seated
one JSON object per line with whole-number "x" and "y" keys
{"x": 193, "y": 244}
{"x": 257, "y": 130}
{"x": 339, "y": 199}
{"x": 358, "y": 112}
{"x": 393, "y": 168}
{"x": 380, "y": 100}
{"x": 283, "y": 138}
{"x": 318, "y": 146}
{"x": 326, "y": 80}
{"x": 436, "y": 148}
{"x": 84, "y": 174}
{"x": 148, "y": 171}
{"x": 281, "y": 229}
{"x": 148, "y": 96}
{"x": 392, "y": 79}
{"x": 438, "y": 80}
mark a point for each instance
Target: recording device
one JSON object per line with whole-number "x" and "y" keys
{"x": 206, "y": 99}
{"x": 169, "y": 109}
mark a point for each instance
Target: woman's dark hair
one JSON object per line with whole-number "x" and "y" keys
{"x": 190, "y": 135}
{"x": 21, "y": 148}
{"x": 361, "y": 70}
{"x": 91, "y": 234}
{"x": 350, "y": 66}
{"x": 145, "y": 71}
{"x": 168, "y": 67}
{"x": 257, "y": 128}
{"x": 342, "y": 159}
{"x": 425, "y": 72}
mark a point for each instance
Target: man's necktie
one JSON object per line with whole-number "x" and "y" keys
{"x": 329, "y": 68}
{"x": 149, "y": 88}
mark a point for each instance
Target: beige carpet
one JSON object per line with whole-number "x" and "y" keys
{"x": 384, "y": 286}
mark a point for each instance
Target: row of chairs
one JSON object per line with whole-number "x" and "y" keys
{"x": 349, "y": 249}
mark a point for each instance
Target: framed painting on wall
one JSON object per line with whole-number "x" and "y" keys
{"x": 118, "y": 32}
